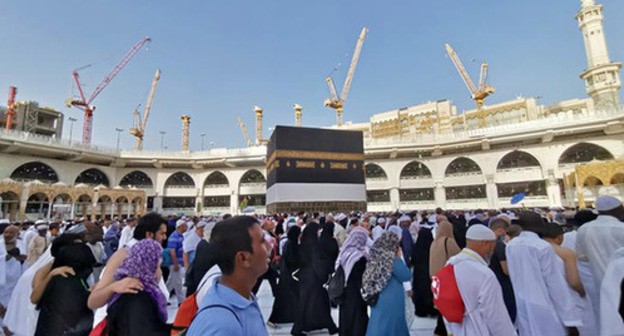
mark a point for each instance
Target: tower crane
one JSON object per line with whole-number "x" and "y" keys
{"x": 138, "y": 131}
{"x": 478, "y": 94}
{"x": 84, "y": 103}
{"x": 243, "y": 128}
{"x": 10, "y": 111}
{"x": 335, "y": 102}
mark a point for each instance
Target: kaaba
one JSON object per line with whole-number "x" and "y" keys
{"x": 312, "y": 169}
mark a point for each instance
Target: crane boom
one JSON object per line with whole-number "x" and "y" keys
{"x": 356, "y": 56}
{"x": 244, "y": 130}
{"x": 150, "y": 99}
{"x": 462, "y": 71}
{"x": 332, "y": 88}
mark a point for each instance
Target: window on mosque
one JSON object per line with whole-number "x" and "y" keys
{"x": 178, "y": 202}
{"x": 378, "y": 196}
{"x": 517, "y": 159}
{"x": 35, "y": 171}
{"x": 584, "y": 152}
{"x": 531, "y": 188}
{"x": 136, "y": 179}
{"x": 180, "y": 180}
{"x": 216, "y": 179}
{"x": 150, "y": 202}
{"x": 418, "y": 194}
{"x": 92, "y": 177}
{"x": 252, "y": 176}
{"x": 461, "y": 166}
{"x": 466, "y": 192}
{"x": 216, "y": 201}
{"x": 252, "y": 200}
{"x": 415, "y": 169}
{"x": 375, "y": 172}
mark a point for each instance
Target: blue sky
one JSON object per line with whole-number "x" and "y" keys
{"x": 219, "y": 58}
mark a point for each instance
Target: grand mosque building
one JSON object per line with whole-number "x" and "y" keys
{"x": 420, "y": 157}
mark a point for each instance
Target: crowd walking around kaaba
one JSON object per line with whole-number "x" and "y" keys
{"x": 480, "y": 272}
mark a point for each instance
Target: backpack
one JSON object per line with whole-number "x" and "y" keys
{"x": 335, "y": 286}
{"x": 446, "y": 295}
{"x": 187, "y": 311}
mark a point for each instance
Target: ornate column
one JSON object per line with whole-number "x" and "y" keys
{"x": 395, "y": 198}
{"x": 23, "y": 202}
{"x": 491, "y": 191}
{"x": 49, "y": 214}
{"x": 553, "y": 192}
{"x": 439, "y": 194}
{"x": 234, "y": 203}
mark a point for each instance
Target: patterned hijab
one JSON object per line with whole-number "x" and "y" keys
{"x": 353, "y": 249}
{"x": 379, "y": 266}
{"x": 142, "y": 263}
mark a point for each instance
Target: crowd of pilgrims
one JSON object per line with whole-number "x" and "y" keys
{"x": 520, "y": 272}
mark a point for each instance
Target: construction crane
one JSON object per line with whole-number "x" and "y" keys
{"x": 478, "y": 94}
{"x": 138, "y": 131}
{"x": 84, "y": 103}
{"x": 335, "y": 102}
{"x": 10, "y": 111}
{"x": 243, "y": 128}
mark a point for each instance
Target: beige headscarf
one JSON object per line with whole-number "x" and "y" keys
{"x": 443, "y": 247}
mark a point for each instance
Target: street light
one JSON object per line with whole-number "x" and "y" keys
{"x": 162, "y": 139}
{"x": 71, "y": 127}
{"x": 202, "y": 140}
{"x": 119, "y": 130}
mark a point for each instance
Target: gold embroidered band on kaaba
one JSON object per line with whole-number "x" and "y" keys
{"x": 312, "y": 155}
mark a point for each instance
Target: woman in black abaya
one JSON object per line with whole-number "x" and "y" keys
{"x": 421, "y": 281}
{"x": 313, "y": 312}
{"x": 287, "y": 299}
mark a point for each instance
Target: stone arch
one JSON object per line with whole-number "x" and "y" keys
{"x": 37, "y": 205}
{"x": 517, "y": 159}
{"x": 618, "y": 178}
{"x": 180, "y": 180}
{"x": 9, "y": 204}
{"x": 415, "y": 169}
{"x": 593, "y": 181}
{"x": 252, "y": 176}
{"x": 92, "y": 177}
{"x": 62, "y": 198}
{"x": 215, "y": 179}
{"x": 374, "y": 171}
{"x": 136, "y": 179}
{"x": 35, "y": 170}
{"x": 462, "y": 165}
{"x": 584, "y": 152}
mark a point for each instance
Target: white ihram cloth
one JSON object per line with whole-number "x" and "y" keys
{"x": 485, "y": 312}
{"x": 21, "y": 316}
{"x": 597, "y": 241}
{"x": 13, "y": 271}
{"x": 126, "y": 236}
{"x": 544, "y": 307}
{"x": 377, "y": 232}
{"x": 610, "y": 293}
{"x": 100, "y": 313}
{"x": 3, "y": 254}
{"x": 590, "y": 321}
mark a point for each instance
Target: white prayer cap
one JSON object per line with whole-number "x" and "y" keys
{"x": 372, "y": 220}
{"x": 396, "y": 231}
{"x": 480, "y": 232}
{"x": 340, "y": 217}
{"x": 5, "y": 221}
{"x": 606, "y": 203}
{"x": 381, "y": 220}
{"x": 40, "y": 221}
{"x": 180, "y": 222}
{"x": 42, "y": 227}
{"x": 405, "y": 218}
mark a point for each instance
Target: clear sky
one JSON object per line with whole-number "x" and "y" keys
{"x": 219, "y": 58}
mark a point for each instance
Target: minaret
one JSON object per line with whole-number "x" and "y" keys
{"x": 602, "y": 79}
{"x": 258, "y": 111}
{"x": 298, "y": 114}
{"x": 186, "y": 123}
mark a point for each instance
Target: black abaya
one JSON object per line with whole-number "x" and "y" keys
{"x": 205, "y": 258}
{"x": 313, "y": 312}
{"x": 135, "y": 315}
{"x": 421, "y": 281}
{"x": 287, "y": 298}
{"x": 353, "y": 310}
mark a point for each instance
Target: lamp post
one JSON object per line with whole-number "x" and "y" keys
{"x": 71, "y": 127}
{"x": 202, "y": 140}
{"x": 162, "y": 139}
{"x": 119, "y": 130}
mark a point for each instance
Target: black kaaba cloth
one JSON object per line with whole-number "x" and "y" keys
{"x": 314, "y": 169}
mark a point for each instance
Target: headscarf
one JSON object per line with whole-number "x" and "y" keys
{"x": 208, "y": 229}
{"x": 309, "y": 243}
{"x": 443, "y": 247}
{"x": 380, "y": 264}
{"x": 353, "y": 249}
{"x": 396, "y": 230}
{"x": 413, "y": 230}
{"x": 142, "y": 263}
{"x": 292, "y": 245}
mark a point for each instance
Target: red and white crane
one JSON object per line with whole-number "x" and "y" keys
{"x": 10, "y": 111}
{"x": 84, "y": 103}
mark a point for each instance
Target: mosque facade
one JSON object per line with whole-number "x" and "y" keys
{"x": 419, "y": 157}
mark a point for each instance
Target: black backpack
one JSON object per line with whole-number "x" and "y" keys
{"x": 335, "y": 286}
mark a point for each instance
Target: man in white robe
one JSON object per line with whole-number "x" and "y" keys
{"x": 485, "y": 311}
{"x": 13, "y": 264}
{"x": 611, "y": 323}
{"x": 127, "y": 232}
{"x": 544, "y": 306}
